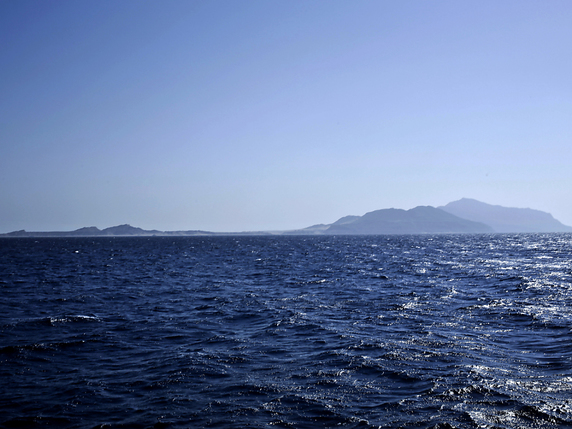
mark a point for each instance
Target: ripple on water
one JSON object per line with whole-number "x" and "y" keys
{"x": 375, "y": 331}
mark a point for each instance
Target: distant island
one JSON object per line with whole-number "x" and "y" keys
{"x": 466, "y": 216}
{"x": 463, "y": 216}
{"x": 505, "y": 219}
{"x": 114, "y": 231}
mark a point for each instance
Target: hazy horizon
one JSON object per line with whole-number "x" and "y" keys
{"x": 244, "y": 116}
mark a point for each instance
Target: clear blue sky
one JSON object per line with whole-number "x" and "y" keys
{"x": 261, "y": 115}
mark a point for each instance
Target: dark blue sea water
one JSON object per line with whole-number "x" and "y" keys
{"x": 465, "y": 331}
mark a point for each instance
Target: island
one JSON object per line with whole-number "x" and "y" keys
{"x": 465, "y": 216}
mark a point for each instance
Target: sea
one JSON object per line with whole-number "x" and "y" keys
{"x": 394, "y": 331}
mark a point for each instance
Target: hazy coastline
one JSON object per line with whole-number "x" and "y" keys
{"x": 462, "y": 216}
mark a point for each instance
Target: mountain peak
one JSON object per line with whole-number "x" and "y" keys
{"x": 124, "y": 229}
{"x": 505, "y": 219}
{"x": 419, "y": 220}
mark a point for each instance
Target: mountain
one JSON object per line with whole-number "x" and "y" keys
{"x": 419, "y": 220}
{"x": 505, "y": 219}
{"x": 82, "y": 232}
{"x": 88, "y": 230}
{"x": 127, "y": 230}
{"x": 462, "y": 216}
{"x": 122, "y": 231}
{"x": 92, "y": 231}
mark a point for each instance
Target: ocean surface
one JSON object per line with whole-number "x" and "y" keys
{"x": 433, "y": 331}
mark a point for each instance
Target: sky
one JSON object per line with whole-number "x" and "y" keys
{"x": 278, "y": 114}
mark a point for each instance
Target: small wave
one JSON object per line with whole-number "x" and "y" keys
{"x": 470, "y": 331}
{"x": 40, "y": 346}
